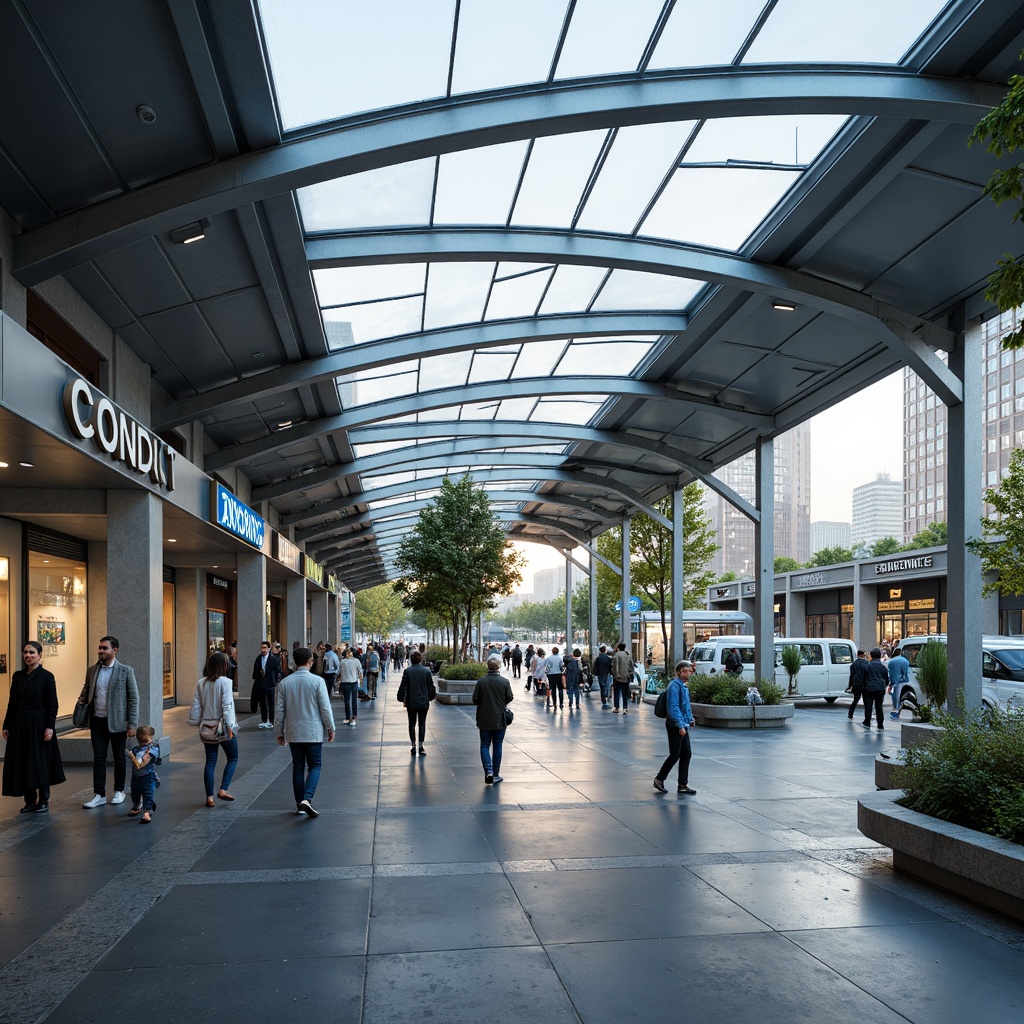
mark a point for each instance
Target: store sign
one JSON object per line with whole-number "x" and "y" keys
{"x": 812, "y": 579}
{"x": 94, "y": 417}
{"x": 904, "y": 564}
{"x": 895, "y": 593}
{"x": 313, "y": 570}
{"x": 921, "y": 604}
{"x": 216, "y": 581}
{"x": 892, "y": 606}
{"x": 235, "y": 516}
{"x": 286, "y": 552}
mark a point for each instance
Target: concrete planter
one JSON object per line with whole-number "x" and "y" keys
{"x": 743, "y": 716}
{"x": 454, "y": 691}
{"x": 970, "y": 864}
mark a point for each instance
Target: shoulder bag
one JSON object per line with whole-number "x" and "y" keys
{"x": 81, "y": 715}
{"x": 212, "y": 730}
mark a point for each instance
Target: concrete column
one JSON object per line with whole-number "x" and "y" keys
{"x": 593, "y": 609}
{"x": 333, "y": 619}
{"x": 796, "y": 613}
{"x": 568, "y": 605}
{"x": 190, "y": 630}
{"x": 678, "y": 585}
{"x": 964, "y": 482}
{"x": 624, "y": 632}
{"x": 865, "y": 613}
{"x": 764, "y": 561}
{"x": 96, "y": 588}
{"x": 317, "y": 616}
{"x": 295, "y": 611}
{"x": 252, "y": 609}
{"x": 135, "y": 594}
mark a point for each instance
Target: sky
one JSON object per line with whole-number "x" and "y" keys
{"x": 850, "y": 444}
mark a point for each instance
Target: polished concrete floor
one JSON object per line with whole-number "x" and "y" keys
{"x": 569, "y": 892}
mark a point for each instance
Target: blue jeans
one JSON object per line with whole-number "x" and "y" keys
{"x": 573, "y": 690}
{"x": 144, "y": 791}
{"x": 305, "y": 755}
{"x": 348, "y": 691}
{"x": 231, "y": 750}
{"x": 491, "y": 738}
{"x": 605, "y": 682}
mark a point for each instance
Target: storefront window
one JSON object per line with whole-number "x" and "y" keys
{"x": 215, "y": 635}
{"x": 5, "y": 629}
{"x": 168, "y": 641}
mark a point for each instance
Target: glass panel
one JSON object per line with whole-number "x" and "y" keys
{"x": 436, "y": 415}
{"x": 557, "y": 410}
{"x": 447, "y": 371}
{"x": 558, "y": 170}
{"x": 386, "y": 480}
{"x": 387, "y": 197}
{"x": 378, "y": 388}
{"x": 516, "y": 408}
{"x": 491, "y": 366}
{"x": 327, "y": 60}
{"x": 699, "y": 206}
{"x": 340, "y": 285}
{"x": 606, "y": 36}
{"x": 700, "y": 34}
{"x": 805, "y": 30}
{"x": 362, "y": 451}
{"x": 379, "y": 319}
{"x": 476, "y": 186}
{"x": 615, "y": 357}
{"x": 518, "y": 296}
{"x": 456, "y": 293}
{"x": 638, "y": 162}
{"x": 504, "y": 43}
{"x": 781, "y": 139}
{"x": 634, "y": 289}
{"x": 538, "y": 358}
{"x": 479, "y": 411}
{"x": 572, "y": 289}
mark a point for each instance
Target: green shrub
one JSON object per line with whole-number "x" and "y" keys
{"x": 792, "y": 663}
{"x": 728, "y": 691}
{"x": 436, "y": 653}
{"x": 971, "y": 774}
{"x": 931, "y": 667}
{"x": 463, "y": 671}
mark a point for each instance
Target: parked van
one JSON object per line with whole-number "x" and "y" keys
{"x": 1002, "y": 669}
{"x": 826, "y": 661}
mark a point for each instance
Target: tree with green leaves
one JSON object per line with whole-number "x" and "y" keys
{"x": 379, "y": 610}
{"x": 830, "y": 556}
{"x": 885, "y": 546}
{"x": 934, "y": 535}
{"x": 1003, "y": 127}
{"x": 783, "y": 563}
{"x": 457, "y": 560}
{"x": 1001, "y": 545}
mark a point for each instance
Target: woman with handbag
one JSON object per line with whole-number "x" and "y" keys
{"x": 32, "y": 761}
{"x": 213, "y": 710}
{"x": 416, "y": 691}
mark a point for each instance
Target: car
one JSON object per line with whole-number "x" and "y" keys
{"x": 1002, "y": 661}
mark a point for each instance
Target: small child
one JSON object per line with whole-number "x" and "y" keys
{"x": 145, "y": 756}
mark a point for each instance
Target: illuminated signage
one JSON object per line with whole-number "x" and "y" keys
{"x": 891, "y": 606}
{"x": 921, "y": 604}
{"x": 904, "y": 564}
{"x": 313, "y": 570}
{"x": 286, "y": 552}
{"x": 94, "y": 417}
{"x": 895, "y": 592}
{"x": 235, "y": 516}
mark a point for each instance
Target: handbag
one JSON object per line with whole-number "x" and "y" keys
{"x": 81, "y": 715}
{"x": 509, "y": 717}
{"x": 213, "y": 731}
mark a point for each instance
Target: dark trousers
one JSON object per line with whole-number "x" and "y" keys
{"x": 678, "y": 750}
{"x": 417, "y": 717}
{"x": 557, "y": 684}
{"x": 876, "y": 699}
{"x": 858, "y": 692}
{"x": 101, "y": 738}
{"x": 267, "y": 703}
{"x": 621, "y": 690}
{"x": 305, "y": 769}
{"x": 330, "y": 678}
{"x": 348, "y": 691}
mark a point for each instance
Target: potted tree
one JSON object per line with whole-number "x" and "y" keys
{"x": 932, "y": 667}
{"x": 792, "y": 662}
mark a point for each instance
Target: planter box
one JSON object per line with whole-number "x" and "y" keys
{"x": 970, "y": 864}
{"x": 913, "y": 734}
{"x": 743, "y": 716}
{"x": 455, "y": 691}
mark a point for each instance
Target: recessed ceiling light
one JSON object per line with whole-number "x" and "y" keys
{"x": 3, "y": 465}
{"x": 783, "y": 305}
{"x": 27, "y": 465}
{"x": 46, "y": 561}
{"x": 258, "y": 355}
{"x": 194, "y": 232}
{"x": 284, "y": 424}
{"x": 172, "y": 540}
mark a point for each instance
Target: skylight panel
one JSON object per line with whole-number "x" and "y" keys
{"x": 576, "y": 412}
{"x": 778, "y": 139}
{"x": 615, "y": 357}
{"x": 340, "y": 285}
{"x": 446, "y": 371}
{"x": 386, "y": 480}
{"x": 364, "y": 451}
{"x": 607, "y": 36}
{"x": 378, "y": 389}
{"x": 505, "y": 43}
{"x": 539, "y": 358}
{"x": 478, "y": 411}
{"x": 373, "y": 320}
{"x": 517, "y": 296}
{"x": 516, "y": 408}
{"x": 435, "y": 415}
{"x": 338, "y": 57}
{"x": 456, "y": 293}
{"x": 635, "y": 289}
{"x": 476, "y": 186}
{"x": 489, "y": 365}
{"x": 640, "y": 158}
{"x": 876, "y": 31}
{"x": 386, "y": 197}
{"x": 558, "y": 169}
{"x": 699, "y": 34}
{"x": 572, "y": 289}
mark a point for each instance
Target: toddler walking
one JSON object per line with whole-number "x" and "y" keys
{"x": 145, "y": 756}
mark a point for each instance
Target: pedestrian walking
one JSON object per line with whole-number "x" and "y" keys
{"x": 416, "y": 691}
{"x": 492, "y": 695}
{"x": 678, "y": 720}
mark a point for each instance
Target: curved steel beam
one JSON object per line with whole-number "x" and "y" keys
{"x": 419, "y": 345}
{"x": 496, "y": 391}
{"x": 382, "y": 138}
{"x": 908, "y": 336}
{"x": 551, "y": 472}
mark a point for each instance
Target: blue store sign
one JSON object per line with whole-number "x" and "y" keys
{"x": 633, "y": 605}
{"x": 236, "y": 517}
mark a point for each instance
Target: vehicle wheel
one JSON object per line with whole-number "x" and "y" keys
{"x": 830, "y": 700}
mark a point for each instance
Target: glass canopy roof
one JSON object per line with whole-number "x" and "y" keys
{"x": 696, "y": 186}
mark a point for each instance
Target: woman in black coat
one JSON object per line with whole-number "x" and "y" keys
{"x": 416, "y": 691}
{"x": 32, "y": 762}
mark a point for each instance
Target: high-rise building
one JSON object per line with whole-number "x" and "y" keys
{"x": 792, "y": 505}
{"x": 924, "y": 428}
{"x": 827, "y": 533}
{"x": 550, "y": 583}
{"x": 877, "y": 510}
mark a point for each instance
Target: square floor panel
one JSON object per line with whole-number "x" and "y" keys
{"x": 814, "y": 816}
{"x": 446, "y": 912}
{"x": 430, "y": 839}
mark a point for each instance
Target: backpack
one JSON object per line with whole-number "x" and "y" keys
{"x": 661, "y": 705}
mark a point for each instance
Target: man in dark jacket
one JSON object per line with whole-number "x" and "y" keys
{"x": 858, "y": 676}
{"x": 603, "y": 671}
{"x": 266, "y": 674}
{"x": 876, "y": 682}
{"x": 416, "y": 691}
{"x": 517, "y": 662}
{"x": 490, "y": 695}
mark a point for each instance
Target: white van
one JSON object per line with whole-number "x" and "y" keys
{"x": 826, "y": 661}
{"x": 1002, "y": 669}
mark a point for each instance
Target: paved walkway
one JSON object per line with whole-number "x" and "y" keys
{"x": 570, "y": 892}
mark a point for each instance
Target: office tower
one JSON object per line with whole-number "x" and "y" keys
{"x": 877, "y": 510}
{"x": 827, "y": 533}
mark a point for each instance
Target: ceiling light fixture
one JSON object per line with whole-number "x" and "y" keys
{"x": 190, "y": 232}
{"x": 27, "y": 465}
{"x": 4, "y": 465}
{"x": 284, "y": 424}
{"x": 172, "y": 540}
{"x": 783, "y": 304}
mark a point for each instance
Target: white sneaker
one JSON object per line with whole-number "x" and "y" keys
{"x": 265, "y": 725}
{"x": 97, "y": 801}
{"x": 352, "y": 723}
{"x": 118, "y": 797}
